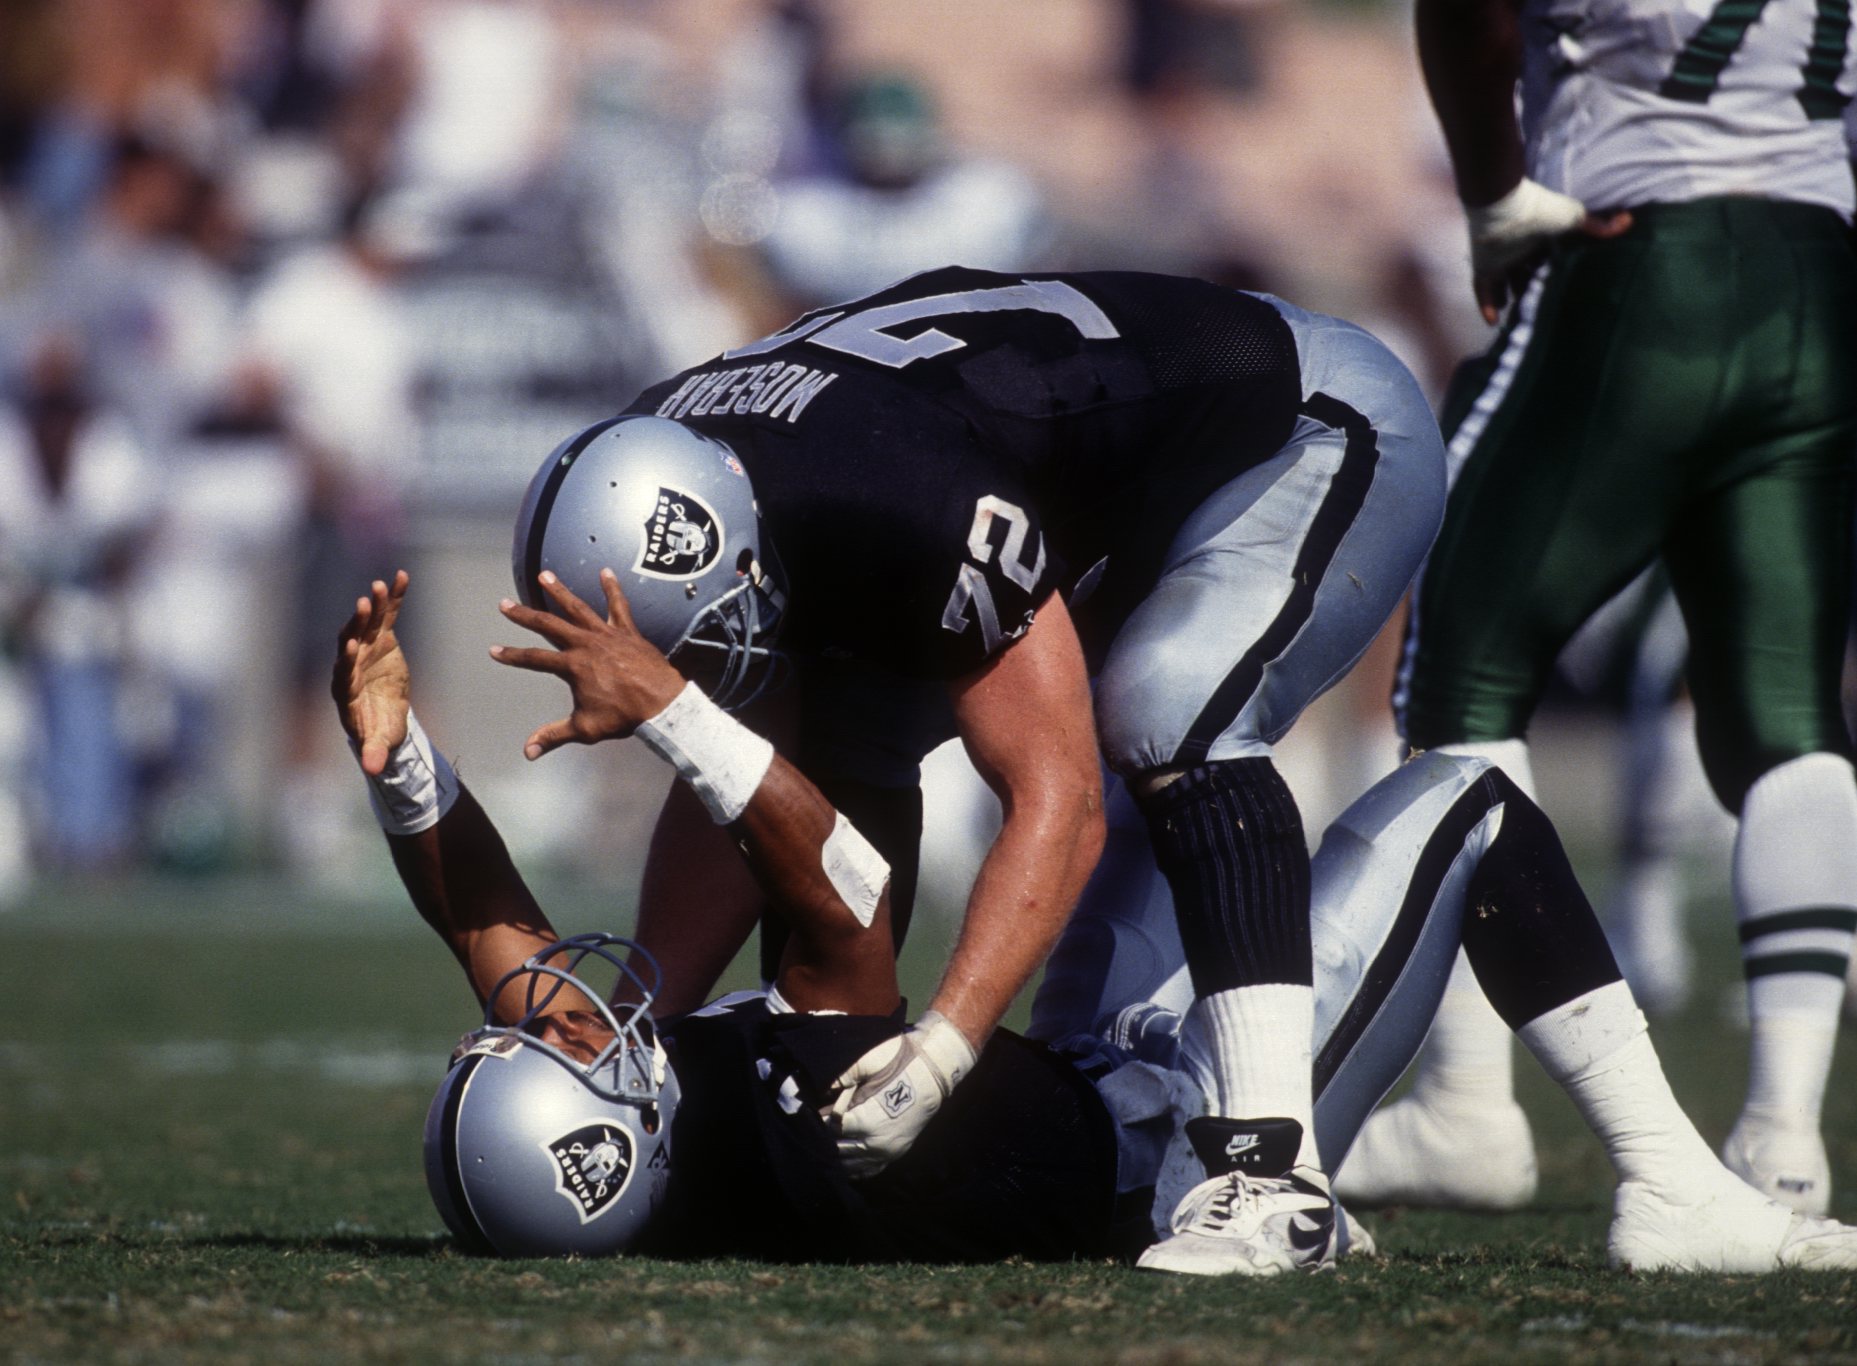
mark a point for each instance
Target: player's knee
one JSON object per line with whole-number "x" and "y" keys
{"x": 1734, "y": 764}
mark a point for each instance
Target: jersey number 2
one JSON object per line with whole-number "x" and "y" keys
{"x": 864, "y": 334}
{"x": 972, "y": 598}
{"x": 1700, "y": 64}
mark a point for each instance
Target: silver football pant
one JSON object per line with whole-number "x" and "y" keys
{"x": 1278, "y": 582}
{"x": 1387, "y": 889}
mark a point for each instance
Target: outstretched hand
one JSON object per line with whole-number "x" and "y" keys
{"x": 371, "y": 682}
{"x": 616, "y": 676}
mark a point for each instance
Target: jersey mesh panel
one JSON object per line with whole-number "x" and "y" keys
{"x": 1201, "y": 334}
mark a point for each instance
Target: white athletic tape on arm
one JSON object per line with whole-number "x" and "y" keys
{"x": 856, "y": 871}
{"x": 416, "y": 788}
{"x": 721, "y": 759}
{"x": 1514, "y": 225}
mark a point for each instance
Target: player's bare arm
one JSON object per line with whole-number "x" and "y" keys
{"x": 1026, "y": 722}
{"x": 457, "y": 870}
{"x": 1471, "y": 53}
{"x": 818, "y": 871}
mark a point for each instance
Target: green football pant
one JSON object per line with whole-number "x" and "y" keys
{"x": 1686, "y": 390}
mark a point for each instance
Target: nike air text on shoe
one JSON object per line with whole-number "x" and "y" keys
{"x": 1257, "y": 1214}
{"x": 1727, "y": 1226}
{"x": 1415, "y": 1152}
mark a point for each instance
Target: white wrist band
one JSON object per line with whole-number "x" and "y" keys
{"x": 1529, "y": 214}
{"x": 721, "y": 759}
{"x": 416, "y": 788}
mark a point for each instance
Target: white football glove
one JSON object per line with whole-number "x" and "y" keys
{"x": 1522, "y": 221}
{"x": 887, "y": 1096}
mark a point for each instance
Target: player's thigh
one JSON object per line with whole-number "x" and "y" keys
{"x": 1565, "y": 444}
{"x": 1388, "y": 891}
{"x": 1277, "y": 584}
{"x": 1763, "y": 572}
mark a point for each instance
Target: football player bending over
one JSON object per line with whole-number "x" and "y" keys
{"x": 575, "y": 1121}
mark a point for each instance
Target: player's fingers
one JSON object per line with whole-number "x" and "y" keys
{"x": 545, "y": 624}
{"x": 551, "y": 736}
{"x": 1491, "y": 294}
{"x": 1606, "y": 225}
{"x": 568, "y": 601}
{"x": 357, "y": 621}
{"x": 618, "y": 610}
{"x": 539, "y": 661}
{"x": 373, "y": 757}
{"x": 390, "y": 598}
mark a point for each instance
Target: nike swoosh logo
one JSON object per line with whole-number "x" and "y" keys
{"x": 1311, "y": 1237}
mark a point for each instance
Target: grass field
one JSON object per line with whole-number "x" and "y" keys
{"x": 210, "y": 1100}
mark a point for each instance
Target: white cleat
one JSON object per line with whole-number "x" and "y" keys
{"x": 1238, "y": 1225}
{"x": 1732, "y": 1229}
{"x": 1784, "y": 1164}
{"x": 1468, "y": 1156}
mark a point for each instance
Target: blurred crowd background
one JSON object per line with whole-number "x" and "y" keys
{"x": 293, "y": 292}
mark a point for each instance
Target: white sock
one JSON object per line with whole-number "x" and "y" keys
{"x": 1599, "y": 1050}
{"x": 1468, "y": 1058}
{"x": 1795, "y": 882}
{"x": 1251, "y": 1051}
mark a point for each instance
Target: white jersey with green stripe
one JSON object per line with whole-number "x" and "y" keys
{"x": 1640, "y": 101}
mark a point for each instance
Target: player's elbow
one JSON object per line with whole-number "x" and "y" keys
{"x": 1066, "y": 817}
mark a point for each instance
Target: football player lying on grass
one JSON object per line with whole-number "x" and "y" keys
{"x": 575, "y": 1122}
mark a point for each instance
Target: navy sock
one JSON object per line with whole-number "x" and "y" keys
{"x": 1228, "y": 838}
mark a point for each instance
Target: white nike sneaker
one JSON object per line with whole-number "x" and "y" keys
{"x": 1259, "y": 1215}
{"x": 1414, "y": 1152}
{"x": 1732, "y": 1229}
{"x": 1784, "y": 1164}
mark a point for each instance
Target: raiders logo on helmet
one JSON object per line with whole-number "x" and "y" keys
{"x": 683, "y": 537}
{"x": 593, "y": 1166}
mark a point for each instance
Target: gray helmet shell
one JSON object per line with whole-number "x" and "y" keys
{"x": 673, "y": 514}
{"x": 531, "y": 1153}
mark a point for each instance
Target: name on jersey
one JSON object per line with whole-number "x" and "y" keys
{"x": 778, "y": 389}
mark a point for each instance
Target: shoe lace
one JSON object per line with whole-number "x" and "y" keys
{"x": 1216, "y": 1204}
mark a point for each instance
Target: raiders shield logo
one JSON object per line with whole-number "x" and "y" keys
{"x": 593, "y": 1166}
{"x": 683, "y": 537}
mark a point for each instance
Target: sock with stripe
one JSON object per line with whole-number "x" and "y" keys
{"x": 1795, "y": 881}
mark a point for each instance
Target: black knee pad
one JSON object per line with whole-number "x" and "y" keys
{"x": 1229, "y": 839}
{"x": 1529, "y": 931}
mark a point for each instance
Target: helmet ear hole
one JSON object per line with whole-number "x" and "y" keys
{"x": 744, "y": 563}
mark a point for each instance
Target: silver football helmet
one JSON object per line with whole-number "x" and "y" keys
{"x": 531, "y": 1152}
{"x": 672, "y": 513}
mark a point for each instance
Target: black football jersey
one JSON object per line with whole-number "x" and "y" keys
{"x": 1019, "y": 1162}
{"x": 934, "y": 460}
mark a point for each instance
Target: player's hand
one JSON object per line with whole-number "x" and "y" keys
{"x": 889, "y": 1095}
{"x": 1509, "y": 239}
{"x": 616, "y": 676}
{"x": 371, "y": 680}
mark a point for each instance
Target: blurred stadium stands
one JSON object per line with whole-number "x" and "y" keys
{"x": 339, "y": 273}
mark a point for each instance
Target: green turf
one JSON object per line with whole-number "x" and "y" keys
{"x": 209, "y": 1149}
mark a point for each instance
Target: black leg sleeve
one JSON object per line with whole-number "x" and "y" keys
{"x": 1229, "y": 839}
{"x": 1529, "y": 931}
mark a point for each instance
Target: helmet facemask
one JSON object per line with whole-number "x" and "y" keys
{"x": 730, "y": 642}
{"x": 628, "y": 1068}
